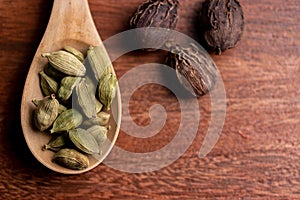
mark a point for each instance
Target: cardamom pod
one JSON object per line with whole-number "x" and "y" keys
{"x": 36, "y": 102}
{"x": 57, "y": 143}
{"x": 67, "y": 120}
{"x": 155, "y": 13}
{"x": 61, "y": 108}
{"x": 90, "y": 122}
{"x": 94, "y": 121}
{"x": 99, "y": 61}
{"x": 46, "y": 112}
{"x": 194, "y": 67}
{"x": 103, "y": 118}
{"x": 98, "y": 106}
{"x": 48, "y": 85}
{"x": 91, "y": 83}
{"x": 66, "y": 63}
{"x": 66, "y": 87}
{"x": 92, "y": 89}
{"x": 99, "y": 133}
{"x": 54, "y": 73}
{"x": 84, "y": 141}
{"x": 222, "y": 24}
{"x": 107, "y": 89}
{"x": 85, "y": 99}
{"x": 71, "y": 159}
{"x": 75, "y": 52}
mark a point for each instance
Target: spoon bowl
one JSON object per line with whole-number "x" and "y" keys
{"x": 70, "y": 24}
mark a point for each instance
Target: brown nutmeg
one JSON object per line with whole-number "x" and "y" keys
{"x": 155, "y": 13}
{"x": 222, "y": 24}
{"x": 194, "y": 67}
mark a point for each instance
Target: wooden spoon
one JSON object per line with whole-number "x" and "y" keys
{"x": 70, "y": 24}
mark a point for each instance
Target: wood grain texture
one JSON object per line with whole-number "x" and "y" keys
{"x": 257, "y": 156}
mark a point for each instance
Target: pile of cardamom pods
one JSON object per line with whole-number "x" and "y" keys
{"x": 75, "y": 107}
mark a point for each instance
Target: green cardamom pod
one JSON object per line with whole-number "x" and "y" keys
{"x": 57, "y": 143}
{"x": 99, "y": 133}
{"x": 61, "y": 108}
{"x": 75, "y": 52}
{"x": 99, "y": 61}
{"x": 71, "y": 159}
{"x": 92, "y": 88}
{"x": 103, "y": 118}
{"x": 84, "y": 141}
{"x": 85, "y": 99}
{"x": 67, "y": 120}
{"x": 107, "y": 89}
{"x": 53, "y": 73}
{"x": 46, "y": 112}
{"x": 48, "y": 85}
{"x": 66, "y": 63}
{"x": 66, "y": 87}
{"x": 92, "y": 122}
{"x": 91, "y": 83}
{"x": 98, "y": 106}
{"x": 36, "y": 102}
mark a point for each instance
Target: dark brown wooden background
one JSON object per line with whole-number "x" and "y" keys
{"x": 258, "y": 154}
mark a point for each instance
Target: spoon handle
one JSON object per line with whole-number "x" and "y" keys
{"x": 73, "y": 19}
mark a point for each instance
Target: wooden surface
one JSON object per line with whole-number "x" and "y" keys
{"x": 258, "y": 154}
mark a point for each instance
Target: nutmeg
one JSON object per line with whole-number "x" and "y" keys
{"x": 222, "y": 24}
{"x": 155, "y": 13}
{"x": 194, "y": 67}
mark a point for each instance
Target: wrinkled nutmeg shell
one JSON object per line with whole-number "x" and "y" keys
{"x": 155, "y": 13}
{"x": 222, "y": 24}
{"x": 194, "y": 68}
